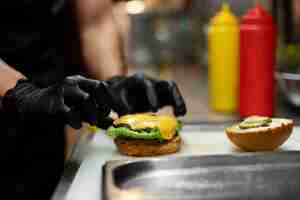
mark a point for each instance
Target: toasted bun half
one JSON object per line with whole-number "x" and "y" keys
{"x": 141, "y": 148}
{"x": 261, "y": 138}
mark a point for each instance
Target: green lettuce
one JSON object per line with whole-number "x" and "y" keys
{"x": 153, "y": 134}
{"x": 128, "y": 133}
{"x": 178, "y": 126}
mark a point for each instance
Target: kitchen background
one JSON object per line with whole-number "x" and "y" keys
{"x": 168, "y": 39}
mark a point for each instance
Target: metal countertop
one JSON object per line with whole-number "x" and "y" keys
{"x": 83, "y": 173}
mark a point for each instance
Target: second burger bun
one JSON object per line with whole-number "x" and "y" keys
{"x": 142, "y": 148}
{"x": 262, "y": 138}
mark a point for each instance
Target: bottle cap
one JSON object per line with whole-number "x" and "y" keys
{"x": 257, "y": 15}
{"x": 225, "y": 16}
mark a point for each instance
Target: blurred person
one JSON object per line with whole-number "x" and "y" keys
{"x": 43, "y": 89}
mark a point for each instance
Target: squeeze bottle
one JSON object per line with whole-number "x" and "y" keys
{"x": 223, "y": 60}
{"x": 257, "y": 60}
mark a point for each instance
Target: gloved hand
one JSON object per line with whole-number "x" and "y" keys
{"x": 75, "y": 100}
{"x": 139, "y": 93}
{"x": 79, "y": 99}
{"x": 124, "y": 95}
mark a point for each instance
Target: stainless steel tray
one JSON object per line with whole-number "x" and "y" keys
{"x": 236, "y": 176}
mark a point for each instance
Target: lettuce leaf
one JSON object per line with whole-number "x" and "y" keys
{"x": 153, "y": 134}
{"x": 128, "y": 133}
{"x": 178, "y": 126}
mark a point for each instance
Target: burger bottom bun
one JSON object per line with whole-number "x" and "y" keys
{"x": 139, "y": 148}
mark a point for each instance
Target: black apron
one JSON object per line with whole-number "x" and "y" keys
{"x": 33, "y": 39}
{"x": 38, "y": 39}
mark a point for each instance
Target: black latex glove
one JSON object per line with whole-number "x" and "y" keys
{"x": 139, "y": 93}
{"x": 75, "y": 100}
{"x": 95, "y": 109}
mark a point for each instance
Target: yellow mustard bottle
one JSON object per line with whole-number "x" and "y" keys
{"x": 223, "y": 61}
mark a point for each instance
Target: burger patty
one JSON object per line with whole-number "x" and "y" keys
{"x": 133, "y": 147}
{"x": 128, "y": 126}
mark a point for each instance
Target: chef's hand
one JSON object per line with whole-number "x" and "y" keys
{"x": 139, "y": 93}
{"x": 72, "y": 101}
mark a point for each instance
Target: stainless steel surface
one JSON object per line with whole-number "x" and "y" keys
{"x": 71, "y": 169}
{"x": 82, "y": 148}
{"x": 72, "y": 165}
{"x": 83, "y": 179}
{"x": 237, "y": 176}
{"x": 101, "y": 147}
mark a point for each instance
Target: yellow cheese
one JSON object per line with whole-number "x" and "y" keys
{"x": 166, "y": 124}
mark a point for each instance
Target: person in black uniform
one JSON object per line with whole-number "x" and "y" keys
{"x": 41, "y": 92}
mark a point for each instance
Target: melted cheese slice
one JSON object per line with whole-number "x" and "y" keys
{"x": 166, "y": 124}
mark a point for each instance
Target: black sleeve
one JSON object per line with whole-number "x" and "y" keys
{"x": 26, "y": 4}
{"x": 32, "y": 158}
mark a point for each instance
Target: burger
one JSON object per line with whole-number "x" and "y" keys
{"x": 146, "y": 134}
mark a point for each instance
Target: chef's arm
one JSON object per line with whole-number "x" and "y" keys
{"x": 8, "y": 78}
{"x": 99, "y": 38}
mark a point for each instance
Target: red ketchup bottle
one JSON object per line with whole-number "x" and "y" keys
{"x": 257, "y": 60}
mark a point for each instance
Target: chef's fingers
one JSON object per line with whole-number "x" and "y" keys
{"x": 104, "y": 123}
{"x": 169, "y": 94}
{"x": 89, "y": 111}
{"x": 151, "y": 95}
{"x": 73, "y": 118}
{"x": 177, "y": 100}
{"x": 120, "y": 102}
{"x": 73, "y": 95}
{"x": 84, "y": 83}
{"x": 63, "y": 108}
{"x": 57, "y": 104}
{"x": 103, "y": 99}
